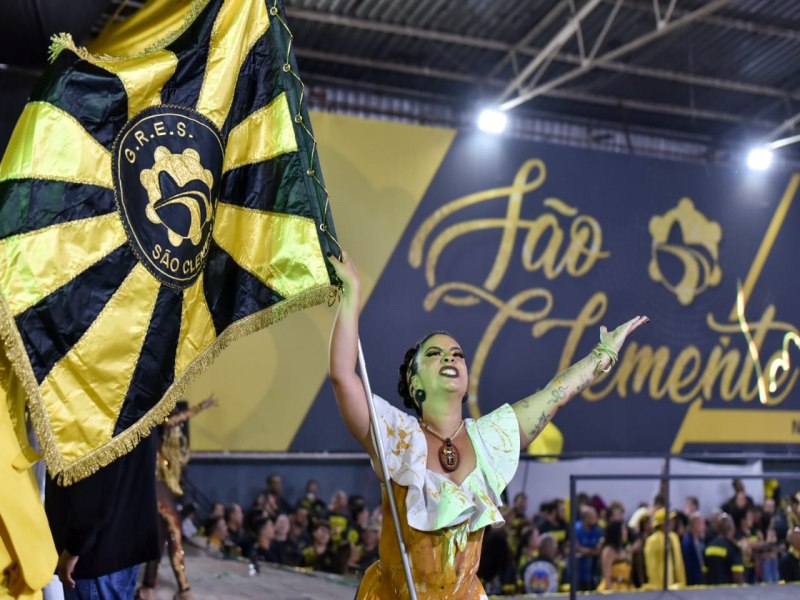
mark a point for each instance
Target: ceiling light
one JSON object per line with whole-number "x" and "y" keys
{"x": 492, "y": 121}
{"x": 759, "y": 159}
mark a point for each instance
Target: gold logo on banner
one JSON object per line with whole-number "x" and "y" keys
{"x": 561, "y": 241}
{"x": 183, "y": 168}
{"x": 700, "y": 270}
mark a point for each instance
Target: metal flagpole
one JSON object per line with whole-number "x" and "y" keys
{"x": 376, "y": 442}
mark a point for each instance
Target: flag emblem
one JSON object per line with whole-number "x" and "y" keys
{"x": 167, "y": 165}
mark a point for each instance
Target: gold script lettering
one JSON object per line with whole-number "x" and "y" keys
{"x": 543, "y": 247}
{"x": 552, "y": 248}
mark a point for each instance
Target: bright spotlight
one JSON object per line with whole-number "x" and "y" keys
{"x": 759, "y": 159}
{"x": 492, "y": 121}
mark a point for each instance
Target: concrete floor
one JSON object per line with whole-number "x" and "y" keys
{"x": 214, "y": 579}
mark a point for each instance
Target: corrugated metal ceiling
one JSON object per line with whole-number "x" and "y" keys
{"x": 729, "y": 75}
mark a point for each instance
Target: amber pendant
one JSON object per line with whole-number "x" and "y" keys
{"x": 448, "y": 456}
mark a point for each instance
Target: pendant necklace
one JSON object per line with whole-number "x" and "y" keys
{"x": 449, "y": 457}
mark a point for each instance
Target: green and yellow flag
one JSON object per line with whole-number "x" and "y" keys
{"x": 154, "y": 208}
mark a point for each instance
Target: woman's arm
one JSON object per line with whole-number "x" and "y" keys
{"x": 187, "y": 414}
{"x": 343, "y": 356}
{"x": 536, "y": 411}
{"x": 606, "y": 560}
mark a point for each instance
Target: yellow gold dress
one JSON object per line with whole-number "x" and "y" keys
{"x": 442, "y": 523}
{"x": 620, "y": 577}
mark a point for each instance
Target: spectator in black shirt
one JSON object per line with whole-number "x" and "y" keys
{"x": 285, "y": 550}
{"x": 320, "y": 555}
{"x": 790, "y": 564}
{"x": 740, "y": 501}
{"x": 369, "y": 545}
{"x": 311, "y": 502}
{"x": 723, "y": 557}
{"x": 275, "y": 487}
{"x": 556, "y": 524}
{"x": 263, "y": 549}
{"x": 496, "y": 566}
{"x": 238, "y": 536}
{"x": 299, "y": 527}
{"x": 106, "y": 525}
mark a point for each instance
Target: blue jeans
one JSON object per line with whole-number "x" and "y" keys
{"x": 769, "y": 570}
{"x": 119, "y": 585}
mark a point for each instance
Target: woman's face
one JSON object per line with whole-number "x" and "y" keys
{"x": 322, "y": 535}
{"x": 441, "y": 367}
{"x": 533, "y": 540}
{"x": 282, "y": 525}
{"x": 267, "y": 531}
{"x": 362, "y": 518}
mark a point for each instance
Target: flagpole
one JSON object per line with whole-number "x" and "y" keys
{"x": 376, "y": 442}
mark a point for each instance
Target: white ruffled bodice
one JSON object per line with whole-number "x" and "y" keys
{"x": 433, "y": 501}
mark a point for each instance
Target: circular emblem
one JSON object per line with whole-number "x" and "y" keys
{"x": 167, "y": 165}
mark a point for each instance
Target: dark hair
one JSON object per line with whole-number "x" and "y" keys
{"x": 211, "y": 524}
{"x": 189, "y": 509}
{"x": 525, "y": 537}
{"x": 260, "y": 523}
{"x": 614, "y": 535}
{"x": 547, "y": 507}
{"x": 229, "y": 510}
{"x": 320, "y": 523}
{"x": 408, "y": 369}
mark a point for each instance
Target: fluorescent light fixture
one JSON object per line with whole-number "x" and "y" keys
{"x": 492, "y": 120}
{"x": 759, "y": 159}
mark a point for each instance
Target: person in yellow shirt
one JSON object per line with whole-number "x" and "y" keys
{"x": 654, "y": 556}
{"x": 27, "y": 554}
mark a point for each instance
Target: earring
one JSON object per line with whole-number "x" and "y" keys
{"x": 419, "y": 396}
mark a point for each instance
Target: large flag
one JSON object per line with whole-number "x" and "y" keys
{"x": 154, "y": 208}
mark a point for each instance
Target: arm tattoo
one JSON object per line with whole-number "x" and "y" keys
{"x": 543, "y": 420}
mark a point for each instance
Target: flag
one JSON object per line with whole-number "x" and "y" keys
{"x": 154, "y": 208}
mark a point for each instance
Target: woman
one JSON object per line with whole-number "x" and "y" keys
{"x": 283, "y": 547}
{"x": 447, "y": 473}
{"x": 528, "y": 547}
{"x": 615, "y": 559}
{"x": 264, "y": 548}
{"x": 172, "y": 458}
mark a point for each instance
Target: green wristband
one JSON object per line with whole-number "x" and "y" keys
{"x": 604, "y": 349}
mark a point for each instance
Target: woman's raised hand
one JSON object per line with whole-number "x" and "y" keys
{"x": 346, "y": 272}
{"x": 616, "y": 338}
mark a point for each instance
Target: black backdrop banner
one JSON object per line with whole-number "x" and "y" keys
{"x": 523, "y": 250}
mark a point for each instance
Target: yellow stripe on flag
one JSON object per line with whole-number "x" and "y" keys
{"x": 83, "y": 415}
{"x": 34, "y": 265}
{"x": 143, "y": 77}
{"x": 197, "y": 328}
{"x": 236, "y": 29}
{"x": 282, "y": 251}
{"x": 49, "y": 143}
{"x": 263, "y": 135}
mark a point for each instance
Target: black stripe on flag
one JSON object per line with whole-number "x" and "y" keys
{"x": 155, "y": 369}
{"x": 54, "y": 325}
{"x": 231, "y": 292}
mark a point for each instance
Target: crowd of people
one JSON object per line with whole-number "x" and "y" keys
{"x": 617, "y": 549}
{"x": 738, "y": 542}
{"x": 338, "y": 537}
